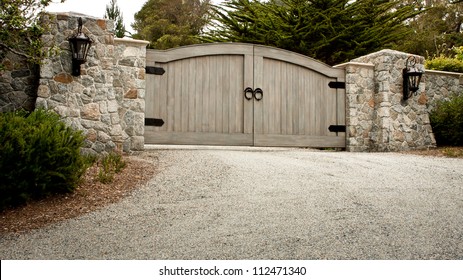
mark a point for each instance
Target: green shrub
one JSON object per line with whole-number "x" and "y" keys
{"x": 39, "y": 156}
{"x": 444, "y": 63}
{"x": 109, "y": 166}
{"x": 447, "y": 121}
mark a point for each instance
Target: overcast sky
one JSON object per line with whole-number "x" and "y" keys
{"x": 97, "y": 8}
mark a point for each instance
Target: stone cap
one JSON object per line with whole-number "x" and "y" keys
{"x": 358, "y": 64}
{"x": 129, "y": 41}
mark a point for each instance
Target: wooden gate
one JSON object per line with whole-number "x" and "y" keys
{"x": 241, "y": 94}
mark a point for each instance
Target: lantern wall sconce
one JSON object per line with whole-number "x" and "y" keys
{"x": 80, "y": 45}
{"x": 412, "y": 78}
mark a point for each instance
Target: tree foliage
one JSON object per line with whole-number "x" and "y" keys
{"x": 442, "y": 62}
{"x": 20, "y": 28}
{"x": 171, "y": 23}
{"x": 114, "y": 13}
{"x": 437, "y": 30}
{"x": 333, "y": 31}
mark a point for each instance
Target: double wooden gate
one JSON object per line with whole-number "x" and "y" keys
{"x": 241, "y": 94}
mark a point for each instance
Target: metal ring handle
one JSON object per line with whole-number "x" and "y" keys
{"x": 248, "y": 93}
{"x": 258, "y": 94}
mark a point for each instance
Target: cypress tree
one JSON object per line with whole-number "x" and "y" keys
{"x": 114, "y": 13}
{"x": 332, "y": 31}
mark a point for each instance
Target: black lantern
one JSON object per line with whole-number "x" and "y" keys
{"x": 412, "y": 77}
{"x": 80, "y": 45}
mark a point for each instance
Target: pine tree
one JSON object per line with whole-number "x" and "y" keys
{"x": 114, "y": 13}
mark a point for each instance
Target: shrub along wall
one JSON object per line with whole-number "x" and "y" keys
{"x": 106, "y": 101}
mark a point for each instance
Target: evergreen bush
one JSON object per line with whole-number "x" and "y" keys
{"x": 39, "y": 156}
{"x": 447, "y": 63}
{"x": 447, "y": 121}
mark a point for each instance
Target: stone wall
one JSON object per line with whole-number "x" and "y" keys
{"x": 18, "y": 83}
{"x": 441, "y": 86}
{"x": 107, "y": 100}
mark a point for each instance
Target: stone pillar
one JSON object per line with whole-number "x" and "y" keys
{"x": 360, "y": 105}
{"x": 129, "y": 85}
{"x": 106, "y": 101}
{"x": 396, "y": 125}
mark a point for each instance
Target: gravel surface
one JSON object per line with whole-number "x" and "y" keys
{"x": 249, "y": 203}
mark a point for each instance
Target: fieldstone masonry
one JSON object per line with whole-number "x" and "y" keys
{"x": 441, "y": 86}
{"x": 18, "y": 83}
{"x": 107, "y": 100}
{"x": 378, "y": 119}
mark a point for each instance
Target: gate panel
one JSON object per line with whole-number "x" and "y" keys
{"x": 298, "y": 106}
{"x": 199, "y": 97}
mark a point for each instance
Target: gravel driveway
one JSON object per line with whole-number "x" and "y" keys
{"x": 249, "y": 203}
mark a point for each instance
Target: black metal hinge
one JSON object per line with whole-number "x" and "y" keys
{"x": 337, "y": 85}
{"x": 337, "y": 128}
{"x": 155, "y": 70}
{"x": 154, "y": 122}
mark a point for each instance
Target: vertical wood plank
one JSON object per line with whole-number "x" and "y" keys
{"x": 212, "y": 91}
{"x": 171, "y": 97}
{"x": 200, "y": 85}
{"x": 184, "y": 94}
{"x": 177, "y": 96}
{"x": 226, "y": 93}
{"x": 163, "y": 95}
{"x": 218, "y": 94}
{"x": 192, "y": 93}
{"x": 258, "y": 83}
{"x": 284, "y": 96}
{"x": 248, "y": 121}
{"x": 205, "y": 94}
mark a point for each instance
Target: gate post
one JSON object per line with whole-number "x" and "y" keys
{"x": 359, "y": 105}
{"x": 378, "y": 119}
{"x": 107, "y": 101}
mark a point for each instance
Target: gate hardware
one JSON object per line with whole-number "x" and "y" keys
{"x": 258, "y": 94}
{"x": 337, "y": 84}
{"x": 248, "y": 93}
{"x": 154, "y": 122}
{"x": 155, "y": 70}
{"x": 337, "y": 128}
